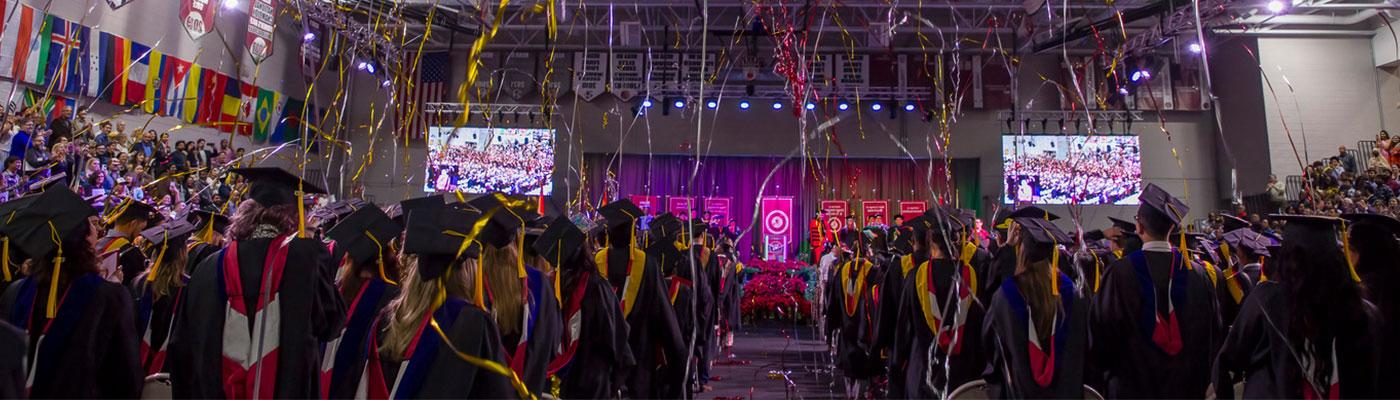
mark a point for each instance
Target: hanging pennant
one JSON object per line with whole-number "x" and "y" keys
{"x": 115, "y": 4}
{"x": 262, "y": 15}
{"x": 626, "y": 75}
{"x": 518, "y": 75}
{"x": 665, "y": 72}
{"x": 197, "y": 16}
{"x": 590, "y": 75}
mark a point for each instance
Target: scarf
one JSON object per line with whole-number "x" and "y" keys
{"x": 850, "y": 289}
{"x": 251, "y": 338}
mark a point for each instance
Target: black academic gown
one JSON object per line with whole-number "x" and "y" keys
{"x": 959, "y": 347}
{"x": 853, "y": 308}
{"x": 153, "y": 318}
{"x": 13, "y": 346}
{"x": 1122, "y": 324}
{"x": 681, "y": 290}
{"x": 311, "y": 309}
{"x": 90, "y": 350}
{"x": 198, "y": 252}
{"x": 602, "y": 358}
{"x": 1232, "y": 286}
{"x": 343, "y": 362}
{"x": 731, "y": 289}
{"x": 545, "y": 327}
{"x": 434, "y": 371}
{"x": 1001, "y": 266}
{"x": 1258, "y": 350}
{"x": 891, "y": 297}
{"x": 653, "y": 334}
{"x": 1011, "y": 371}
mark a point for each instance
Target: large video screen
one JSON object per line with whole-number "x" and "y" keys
{"x": 1069, "y": 169}
{"x": 484, "y": 160}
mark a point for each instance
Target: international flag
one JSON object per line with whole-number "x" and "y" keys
{"x": 31, "y": 45}
{"x": 65, "y": 57}
{"x": 52, "y": 105}
{"x": 129, "y": 67}
{"x": 174, "y": 99}
{"x": 96, "y": 54}
{"x": 430, "y": 88}
{"x": 269, "y": 112}
{"x": 232, "y": 106}
{"x": 11, "y": 29}
{"x": 289, "y": 126}
{"x": 157, "y": 78}
{"x": 211, "y": 97}
{"x": 247, "y": 109}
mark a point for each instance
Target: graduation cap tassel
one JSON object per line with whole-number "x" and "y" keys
{"x": 558, "y": 270}
{"x": 301, "y": 211}
{"x": 1182, "y": 246}
{"x": 379, "y": 257}
{"x": 1054, "y": 269}
{"x": 5, "y": 254}
{"x": 488, "y": 365}
{"x": 1346, "y": 248}
{"x": 155, "y": 266}
{"x": 51, "y": 309}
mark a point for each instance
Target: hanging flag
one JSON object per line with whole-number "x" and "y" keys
{"x": 172, "y": 92}
{"x": 268, "y": 113}
{"x": 129, "y": 67}
{"x": 96, "y": 53}
{"x": 52, "y": 105}
{"x": 232, "y": 106}
{"x": 197, "y": 16}
{"x": 211, "y": 97}
{"x": 64, "y": 64}
{"x": 10, "y": 31}
{"x": 262, "y": 14}
{"x": 156, "y": 78}
{"x": 115, "y": 4}
{"x": 32, "y": 47}
{"x": 289, "y": 125}
{"x": 184, "y": 93}
{"x": 430, "y": 88}
{"x": 247, "y": 108}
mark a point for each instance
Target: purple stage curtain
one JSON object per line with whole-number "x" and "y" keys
{"x": 742, "y": 179}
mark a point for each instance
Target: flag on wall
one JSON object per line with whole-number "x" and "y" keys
{"x": 232, "y": 107}
{"x": 247, "y": 108}
{"x": 430, "y": 87}
{"x": 185, "y": 95}
{"x": 96, "y": 54}
{"x": 269, "y": 111}
{"x": 12, "y": 25}
{"x": 130, "y": 62}
{"x": 173, "y": 100}
{"x": 52, "y": 105}
{"x": 156, "y": 77}
{"x": 211, "y": 97}
{"x": 65, "y": 59}
{"x": 290, "y": 123}
{"x": 31, "y": 46}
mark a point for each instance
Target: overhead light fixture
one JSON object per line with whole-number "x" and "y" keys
{"x": 843, "y": 106}
{"x": 909, "y": 107}
{"x": 386, "y": 83}
{"x": 678, "y": 103}
{"x": 711, "y": 104}
{"x": 743, "y": 104}
{"x": 811, "y": 106}
{"x": 309, "y": 36}
{"x": 230, "y": 4}
{"x": 1194, "y": 47}
{"x": 777, "y": 105}
{"x": 646, "y": 103}
{"x": 1141, "y": 75}
{"x": 876, "y": 106}
{"x": 1276, "y": 6}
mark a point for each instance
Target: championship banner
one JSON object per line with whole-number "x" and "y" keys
{"x": 626, "y": 75}
{"x": 648, "y": 204}
{"x": 197, "y": 16}
{"x": 590, "y": 74}
{"x": 777, "y": 224}
{"x": 681, "y": 207}
{"x": 879, "y": 209}
{"x": 718, "y": 207}
{"x": 911, "y": 209}
{"x": 836, "y": 211}
{"x": 262, "y": 14}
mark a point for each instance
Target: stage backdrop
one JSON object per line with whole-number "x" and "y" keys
{"x": 740, "y": 178}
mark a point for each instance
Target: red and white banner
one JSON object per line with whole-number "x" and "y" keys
{"x": 682, "y": 207}
{"x": 262, "y": 15}
{"x": 197, "y": 16}
{"x": 836, "y": 211}
{"x": 911, "y": 209}
{"x": 718, "y": 207}
{"x": 777, "y": 216}
{"x": 878, "y": 209}
{"x": 648, "y": 204}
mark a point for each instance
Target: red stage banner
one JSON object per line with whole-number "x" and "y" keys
{"x": 718, "y": 207}
{"x": 777, "y": 225}
{"x": 911, "y": 209}
{"x": 197, "y": 16}
{"x": 836, "y": 211}
{"x": 875, "y": 208}
{"x": 648, "y": 204}
{"x": 682, "y": 207}
{"x": 262, "y": 15}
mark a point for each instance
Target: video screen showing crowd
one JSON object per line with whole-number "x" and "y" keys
{"x": 418, "y": 299}
{"x": 1149, "y": 308}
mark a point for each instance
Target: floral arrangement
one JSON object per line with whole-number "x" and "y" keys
{"x": 778, "y": 291}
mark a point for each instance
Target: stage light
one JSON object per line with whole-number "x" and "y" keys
{"x": 230, "y": 4}
{"x": 1194, "y": 47}
{"x": 678, "y": 104}
{"x": 1141, "y": 75}
{"x": 386, "y": 83}
{"x": 309, "y": 36}
{"x": 876, "y": 106}
{"x": 1276, "y": 6}
{"x": 842, "y": 106}
{"x": 711, "y": 104}
{"x": 909, "y": 107}
{"x": 646, "y": 103}
{"x": 811, "y": 106}
{"x": 777, "y": 105}
{"x": 743, "y": 104}
{"x": 1123, "y": 90}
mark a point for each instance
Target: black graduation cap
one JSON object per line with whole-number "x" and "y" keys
{"x": 202, "y": 219}
{"x": 47, "y": 182}
{"x": 1248, "y": 239}
{"x": 1126, "y": 226}
{"x": 560, "y": 242}
{"x": 1094, "y": 235}
{"x": 697, "y": 226}
{"x": 436, "y": 235}
{"x": 30, "y": 227}
{"x": 131, "y": 206}
{"x": 1158, "y": 201}
{"x": 501, "y": 229}
{"x": 400, "y": 210}
{"x": 620, "y": 212}
{"x": 364, "y": 233}
{"x": 1229, "y": 222}
{"x": 333, "y": 212}
{"x": 1384, "y": 221}
{"x": 10, "y": 208}
{"x": 918, "y": 226}
{"x": 1002, "y": 219}
{"x": 174, "y": 232}
{"x": 1310, "y": 230}
{"x": 1043, "y": 234}
{"x": 1032, "y": 212}
{"x": 275, "y": 186}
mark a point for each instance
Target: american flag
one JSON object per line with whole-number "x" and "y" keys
{"x": 430, "y": 88}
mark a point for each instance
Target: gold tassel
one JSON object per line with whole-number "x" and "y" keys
{"x": 1054, "y": 269}
{"x": 5, "y": 253}
{"x": 1184, "y": 254}
{"x": 379, "y": 257}
{"x": 155, "y": 267}
{"x": 557, "y": 270}
{"x": 1346, "y": 248}
{"x": 51, "y": 309}
{"x": 301, "y": 211}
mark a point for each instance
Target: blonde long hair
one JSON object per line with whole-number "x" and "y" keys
{"x": 503, "y": 278}
{"x": 416, "y": 299}
{"x": 1031, "y": 278}
{"x": 170, "y": 273}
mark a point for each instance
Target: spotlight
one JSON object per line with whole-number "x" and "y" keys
{"x": 842, "y": 106}
{"x": 1276, "y": 6}
{"x": 230, "y": 4}
{"x": 1123, "y": 90}
{"x": 876, "y": 106}
{"x": 362, "y": 65}
{"x": 811, "y": 106}
{"x": 646, "y": 103}
{"x": 743, "y": 104}
{"x": 309, "y": 36}
{"x": 678, "y": 104}
{"x": 386, "y": 83}
{"x": 1194, "y": 47}
{"x": 909, "y": 107}
{"x": 1141, "y": 75}
{"x": 711, "y": 104}
{"x": 369, "y": 67}
{"x": 777, "y": 105}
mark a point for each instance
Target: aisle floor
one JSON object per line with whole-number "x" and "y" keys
{"x": 759, "y": 350}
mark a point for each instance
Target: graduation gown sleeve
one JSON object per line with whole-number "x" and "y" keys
{"x": 13, "y": 345}
{"x": 474, "y": 332}
{"x": 100, "y": 357}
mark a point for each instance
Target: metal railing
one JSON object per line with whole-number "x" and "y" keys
{"x": 1293, "y": 185}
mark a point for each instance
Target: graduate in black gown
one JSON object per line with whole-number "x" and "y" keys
{"x": 116, "y": 250}
{"x": 1240, "y": 249}
{"x": 1307, "y": 332}
{"x": 11, "y": 256}
{"x": 892, "y": 292}
{"x": 711, "y": 274}
{"x": 852, "y": 310}
{"x": 937, "y": 340}
{"x": 654, "y": 335}
{"x": 159, "y": 290}
{"x": 80, "y": 327}
{"x": 367, "y": 282}
{"x": 520, "y": 296}
{"x": 13, "y": 348}
{"x": 1155, "y": 321}
{"x": 595, "y": 355}
{"x": 208, "y": 238}
{"x": 1373, "y": 252}
{"x": 731, "y": 286}
{"x": 1036, "y": 329}
{"x": 1003, "y": 262}
{"x": 266, "y": 283}
{"x": 433, "y": 340}
{"x": 689, "y": 297}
